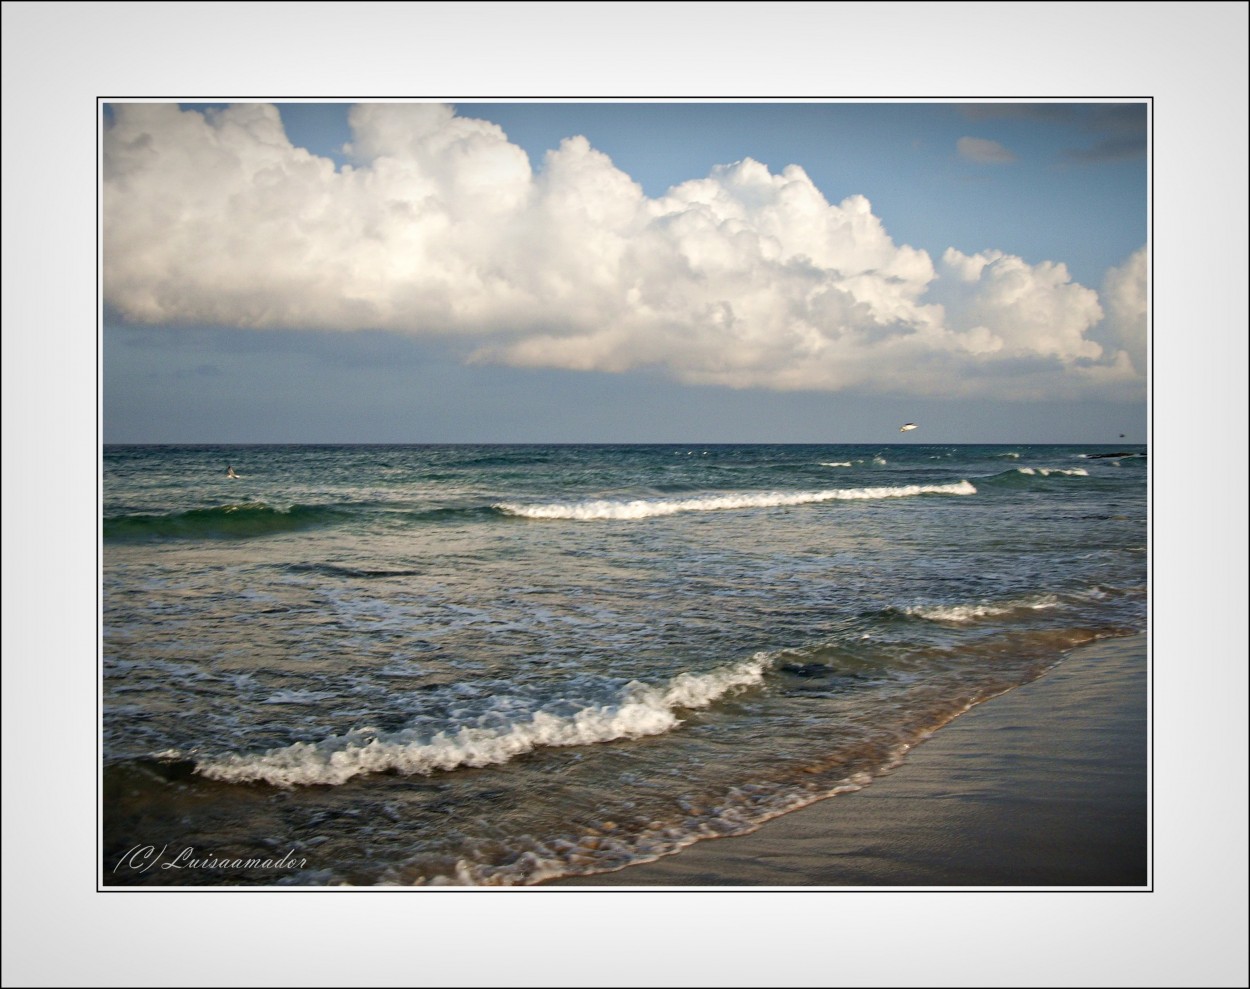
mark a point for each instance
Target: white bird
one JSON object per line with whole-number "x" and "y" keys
{"x": 906, "y": 427}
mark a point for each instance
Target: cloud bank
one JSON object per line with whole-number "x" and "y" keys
{"x": 442, "y": 227}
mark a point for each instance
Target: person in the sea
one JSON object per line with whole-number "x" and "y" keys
{"x": 230, "y": 471}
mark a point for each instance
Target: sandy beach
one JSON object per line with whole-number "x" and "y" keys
{"x": 1045, "y": 785}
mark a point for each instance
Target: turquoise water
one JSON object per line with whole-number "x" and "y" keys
{"x": 498, "y": 664}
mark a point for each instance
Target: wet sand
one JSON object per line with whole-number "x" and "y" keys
{"x": 1045, "y": 785}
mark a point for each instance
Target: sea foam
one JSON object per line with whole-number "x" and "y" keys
{"x": 971, "y": 612}
{"x": 1047, "y": 471}
{"x": 639, "y": 710}
{"x": 600, "y": 509}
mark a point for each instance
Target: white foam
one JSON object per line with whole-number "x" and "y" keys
{"x": 744, "y": 810}
{"x": 837, "y": 463}
{"x": 640, "y": 710}
{"x": 599, "y": 509}
{"x": 983, "y": 609}
{"x": 1047, "y": 471}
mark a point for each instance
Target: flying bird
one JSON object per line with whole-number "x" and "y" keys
{"x": 907, "y": 427}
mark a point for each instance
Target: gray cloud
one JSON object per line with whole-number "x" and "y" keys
{"x": 983, "y": 151}
{"x": 1118, "y": 130}
{"x": 1109, "y": 149}
{"x": 1041, "y": 112}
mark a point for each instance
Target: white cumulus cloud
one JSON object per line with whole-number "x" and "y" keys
{"x": 1015, "y": 308}
{"x": 1124, "y": 298}
{"x": 746, "y": 277}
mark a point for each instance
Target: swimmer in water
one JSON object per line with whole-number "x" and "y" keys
{"x": 230, "y": 471}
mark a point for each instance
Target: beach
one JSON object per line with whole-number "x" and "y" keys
{"x": 1045, "y": 785}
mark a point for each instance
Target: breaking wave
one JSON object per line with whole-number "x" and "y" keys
{"x": 638, "y": 711}
{"x": 600, "y": 509}
{"x": 1047, "y": 471}
{"x": 983, "y": 609}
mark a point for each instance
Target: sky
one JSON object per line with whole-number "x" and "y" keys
{"x": 624, "y": 272}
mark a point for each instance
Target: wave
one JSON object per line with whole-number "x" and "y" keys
{"x": 600, "y": 509}
{"x": 1026, "y": 475}
{"x": 605, "y": 846}
{"x": 640, "y": 710}
{"x": 961, "y": 613}
{"x": 1047, "y": 471}
{"x": 241, "y": 521}
{"x": 836, "y": 463}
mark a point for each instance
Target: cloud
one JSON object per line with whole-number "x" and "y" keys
{"x": 1124, "y": 296}
{"x": 1109, "y": 149}
{"x": 440, "y": 227}
{"x": 1015, "y": 308}
{"x": 1033, "y": 112}
{"x": 1118, "y": 129}
{"x": 983, "y": 151}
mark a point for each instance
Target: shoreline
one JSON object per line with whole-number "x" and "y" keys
{"x": 1045, "y": 785}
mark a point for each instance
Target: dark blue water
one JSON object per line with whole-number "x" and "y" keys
{"x": 499, "y": 664}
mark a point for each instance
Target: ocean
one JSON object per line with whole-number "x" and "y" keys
{"x": 497, "y": 665}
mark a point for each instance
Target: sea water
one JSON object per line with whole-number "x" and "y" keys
{"x": 500, "y": 664}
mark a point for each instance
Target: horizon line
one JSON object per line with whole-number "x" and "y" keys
{"x": 1123, "y": 442}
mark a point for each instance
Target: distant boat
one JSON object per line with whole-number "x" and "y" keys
{"x": 907, "y": 427}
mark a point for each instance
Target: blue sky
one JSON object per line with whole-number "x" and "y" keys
{"x": 624, "y": 272}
